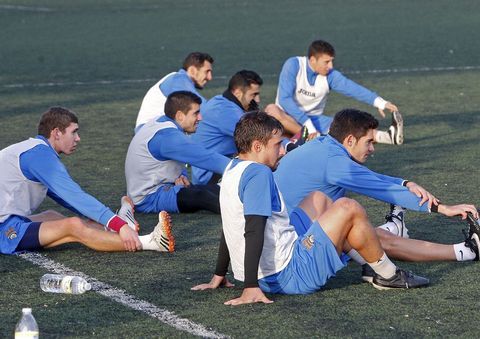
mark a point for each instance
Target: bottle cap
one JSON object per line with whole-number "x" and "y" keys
{"x": 26, "y": 310}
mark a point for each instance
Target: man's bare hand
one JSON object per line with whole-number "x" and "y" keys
{"x": 217, "y": 281}
{"x": 391, "y": 107}
{"x": 461, "y": 209}
{"x": 422, "y": 193}
{"x": 130, "y": 239}
{"x": 249, "y": 296}
{"x": 182, "y": 180}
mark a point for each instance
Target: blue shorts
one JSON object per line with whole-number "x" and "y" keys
{"x": 19, "y": 234}
{"x": 314, "y": 260}
{"x": 300, "y": 220}
{"x": 321, "y": 122}
{"x": 164, "y": 199}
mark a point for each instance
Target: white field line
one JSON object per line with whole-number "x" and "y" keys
{"x": 25, "y": 8}
{"x": 222, "y": 77}
{"x": 122, "y": 297}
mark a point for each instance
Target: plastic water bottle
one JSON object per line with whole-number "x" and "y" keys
{"x": 27, "y": 326}
{"x": 57, "y": 283}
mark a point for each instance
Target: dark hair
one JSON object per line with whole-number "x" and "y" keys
{"x": 180, "y": 101}
{"x": 55, "y": 117}
{"x": 352, "y": 121}
{"x": 319, "y": 47}
{"x": 243, "y": 79}
{"x": 196, "y": 59}
{"x": 255, "y": 125}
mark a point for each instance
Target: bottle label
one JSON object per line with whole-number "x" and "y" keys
{"x": 26, "y": 335}
{"x": 67, "y": 284}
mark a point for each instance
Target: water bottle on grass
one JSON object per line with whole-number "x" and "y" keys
{"x": 57, "y": 283}
{"x": 27, "y": 326}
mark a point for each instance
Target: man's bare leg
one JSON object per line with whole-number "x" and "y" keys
{"x": 58, "y": 232}
{"x": 414, "y": 250}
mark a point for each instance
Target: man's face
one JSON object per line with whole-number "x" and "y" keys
{"x": 189, "y": 121}
{"x": 321, "y": 64}
{"x": 66, "y": 142}
{"x": 200, "y": 76}
{"x": 272, "y": 152}
{"x": 360, "y": 149}
{"x": 246, "y": 96}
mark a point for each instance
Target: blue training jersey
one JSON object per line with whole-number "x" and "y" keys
{"x": 179, "y": 81}
{"x": 325, "y": 165}
{"x": 42, "y": 164}
{"x": 215, "y": 131}
{"x": 337, "y": 82}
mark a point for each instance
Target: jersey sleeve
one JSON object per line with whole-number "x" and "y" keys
{"x": 172, "y": 144}
{"x": 287, "y": 85}
{"x": 341, "y": 84}
{"x": 359, "y": 179}
{"x": 257, "y": 191}
{"x": 40, "y": 164}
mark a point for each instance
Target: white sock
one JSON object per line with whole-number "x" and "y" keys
{"x": 463, "y": 253}
{"x": 148, "y": 244}
{"x": 384, "y": 267}
{"x": 356, "y": 257}
{"x": 383, "y": 137}
{"x": 391, "y": 227}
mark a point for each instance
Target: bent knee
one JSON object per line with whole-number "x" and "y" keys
{"x": 349, "y": 205}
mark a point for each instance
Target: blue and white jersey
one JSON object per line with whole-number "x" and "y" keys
{"x": 302, "y": 93}
{"x": 157, "y": 156}
{"x": 153, "y": 104}
{"x": 248, "y": 188}
{"x": 215, "y": 131}
{"x": 31, "y": 170}
{"x": 325, "y": 165}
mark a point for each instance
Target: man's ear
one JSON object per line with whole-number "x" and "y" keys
{"x": 55, "y": 133}
{"x": 237, "y": 92}
{"x": 256, "y": 146}
{"x": 349, "y": 141}
{"x": 179, "y": 116}
{"x": 191, "y": 70}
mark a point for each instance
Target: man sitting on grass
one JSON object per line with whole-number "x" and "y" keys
{"x": 258, "y": 237}
{"x": 32, "y": 169}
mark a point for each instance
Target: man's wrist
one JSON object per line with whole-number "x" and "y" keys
{"x": 116, "y": 223}
{"x": 434, "y": 208}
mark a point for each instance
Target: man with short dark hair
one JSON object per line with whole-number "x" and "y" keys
{"x": 303, "y": 89}
{"x": 32, "y": 169}
{"x": 196, "y": 71}
{"x": 222, "y": 112}
{"x": 333, "y": 164}
{"x": 156, "y": 158}
{"x": 260, "y": 239}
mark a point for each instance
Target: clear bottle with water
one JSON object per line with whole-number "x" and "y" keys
{"x": 27, "y": 326}
{"x": 69, "y": 284}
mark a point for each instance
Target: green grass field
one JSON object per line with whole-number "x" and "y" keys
{"x": 100, "y": 57}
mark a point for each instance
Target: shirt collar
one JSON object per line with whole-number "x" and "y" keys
{"x": 164, "y": 118}
{"x": 41, "y": 137}
{"x": 229, "y": 96}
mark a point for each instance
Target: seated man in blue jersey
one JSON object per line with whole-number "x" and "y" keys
{"x": 221, "y": 113}
{"x": 303, "y": 89}
{"x": 32, "y": 169}
{"x": 156, "y": 158}
{"x": 260, "y": 240}
{"x": 333, "y": 164}
{"x": 196, "y": 71}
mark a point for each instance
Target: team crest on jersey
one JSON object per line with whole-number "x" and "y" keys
{"x": 11, "y": 233}
{"x": 308, "y": 242}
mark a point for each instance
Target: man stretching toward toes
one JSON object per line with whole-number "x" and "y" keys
{"x": 265, "y": 251}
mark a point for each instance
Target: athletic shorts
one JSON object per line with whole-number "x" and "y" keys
{"x": 300, "y": 220}
{"x": 164, "y": 199}
{"x": 19, "y": 234}
{"x": 321, "y": 122}
{"x": 314, "y": 261}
